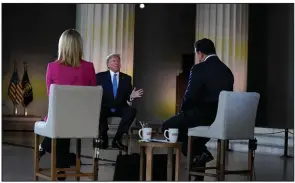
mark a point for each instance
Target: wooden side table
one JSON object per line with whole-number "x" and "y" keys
{"x": 147, "y": 148}
{"x": 157, "y": 128}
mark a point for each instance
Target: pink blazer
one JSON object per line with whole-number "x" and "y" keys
{"x": 65, "y": 75}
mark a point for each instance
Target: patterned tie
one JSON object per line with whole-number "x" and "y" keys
{"x": 187, "y": 88}
{"x": 115, "y": 87}
{"x": 189, "y": 83}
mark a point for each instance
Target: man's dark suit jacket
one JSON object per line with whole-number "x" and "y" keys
{"x": 207, "y": 79}
{"x": 123, "y": 92}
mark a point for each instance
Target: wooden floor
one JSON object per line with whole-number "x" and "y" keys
{"x": 17, "y": 161}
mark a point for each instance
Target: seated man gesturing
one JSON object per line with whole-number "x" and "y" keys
{"x": 116, "y": 101}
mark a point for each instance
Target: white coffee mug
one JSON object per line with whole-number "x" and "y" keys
{"x": 173, "y": 134}
{"x": 145, "y": 133}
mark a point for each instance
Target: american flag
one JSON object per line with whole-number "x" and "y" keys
{"x": 27, "y": 87}
{"x": 15, "y": 91}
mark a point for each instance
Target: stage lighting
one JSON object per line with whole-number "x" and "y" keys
{"x": 141, "y": 6}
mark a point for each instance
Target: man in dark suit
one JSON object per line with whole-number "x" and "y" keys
{"x": 207, "y": 79}
{"x": 116, "y": 100}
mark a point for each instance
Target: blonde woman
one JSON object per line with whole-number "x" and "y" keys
{"x": 68, "y": 69}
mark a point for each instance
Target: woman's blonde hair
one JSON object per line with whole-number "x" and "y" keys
{"x": 70, "y": 48}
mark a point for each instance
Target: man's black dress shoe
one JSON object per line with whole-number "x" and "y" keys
{"x": 201, "y": 161}
{"x": 61, "y": 178}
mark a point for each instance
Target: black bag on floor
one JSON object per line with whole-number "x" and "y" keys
{"x": 128, "y": 167}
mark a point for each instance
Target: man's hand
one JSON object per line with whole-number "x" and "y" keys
{"x": 136, "y": 93}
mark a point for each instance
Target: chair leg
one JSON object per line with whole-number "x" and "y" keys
{"x": 189, "y": 158}
{"x": 218, "y": 159}
{"x": 78, "y": 157}
{"x": 222, "y": 161}
{"x": 53, "y": 159}
{"x": 36, "y": 157}
{"x": 250, "y": 164}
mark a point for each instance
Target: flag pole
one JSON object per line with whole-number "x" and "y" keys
{"x": 15, "y": 110}
{"x": 14, "y": 105}
{"x": 25, "y": 107}
{"x": 25, "y": 111}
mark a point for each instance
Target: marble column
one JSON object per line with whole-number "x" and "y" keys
{"x": 106, "y": 29}
{"x": 227, "y": 26}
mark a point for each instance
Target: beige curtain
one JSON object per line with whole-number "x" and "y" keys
{"x": 106, "y": 29}
{"x": 227, "y": 26}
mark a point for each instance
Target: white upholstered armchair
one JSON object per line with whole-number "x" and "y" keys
{"x": 73, "y": 112}
{"x": 235, "y": 120}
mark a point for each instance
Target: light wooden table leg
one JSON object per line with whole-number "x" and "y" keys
{"x": 177, "y": 164}
{"x": 142, "y": 168}
{"x": 78, "y": 156}
{"x": 149, "y": 163}
{"x": 36, "y": 157}
{"x": 53, "y": 160}
{"x": 169, "y": 164}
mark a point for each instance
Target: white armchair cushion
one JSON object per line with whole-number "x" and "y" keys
{"x": 73, "y": 112}
{"x": 114, "y": 120}
{"x": 235, "y": 117}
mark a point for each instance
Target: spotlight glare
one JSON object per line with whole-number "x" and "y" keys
{"x": 141, "y": 6}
